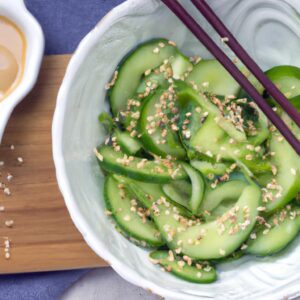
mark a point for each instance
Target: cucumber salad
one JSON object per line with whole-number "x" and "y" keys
{"x": 194, "y": 170}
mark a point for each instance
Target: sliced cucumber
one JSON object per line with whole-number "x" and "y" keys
{"x": 230, "y": 190}
{"x": 160, "y": 171}
{"x": 179, "y": 191}
{"x": 215, "y": 244}
{"x": 149, "y": 193}
{"x": 207, "y": 168}
{"x": 220, "y": 82}
{"x": 179, "y": 64}
{"x": 157, "y": 79}
{"x": 213, "y": 141}
{"x": 124, "y": 210}
{"x": 128, "y": 144}
{"x": 287, "y": 179}
{"x": 273, "y": 240}
{"x": 162, "y": 140}
{"x": 287, "y": 79}
{"x": 147, "y": 56}
{"x": 190, "y": 120}
{"x": 296, "y": 102}
{"x": 263, "y": 132}
{"x": 202, "y": 274}
{"x": 209, "y": 240}
{"x": 186, "y": 94}
{"x": 198, "y": 187}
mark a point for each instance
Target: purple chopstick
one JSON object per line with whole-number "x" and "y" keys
{"x": 203, "y": 37}
{"x": 223, "y": 31}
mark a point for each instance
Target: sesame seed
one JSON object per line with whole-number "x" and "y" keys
{"x": 12, "y": 147}
{"x": 98, "y": 155}
{"x": 261, "y": 208}
{"x": 1, "y": 163}
{"x": 249, "y": 157}
{"x": 225, "y": 39}
{"x": 244, "y": 247}
{"x": 2, "y": 208}
{"x": 9, "y": 177}
{"x": 9, "y": 223}
{"x": 266, "y": 231}
{"x": 253, "y": 236}
{"x": 7, "y": 191}
{"x": 20, "y": 160}
{"x": 181, "y": 264}
{"x": 222, "y": 252}
{"x": 172, "y": 43}
{"x": 107, "y": 212}
{"x": 293, "y": 171}
{"x": 199, "y": 274}
{"x": 156, "y": 50}
{"x": 207, "y": 268}
{"x": 126, "y": 218}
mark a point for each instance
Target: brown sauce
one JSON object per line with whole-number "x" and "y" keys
{"x": 12, "y": 56}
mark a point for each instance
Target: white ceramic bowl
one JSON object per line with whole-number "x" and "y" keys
{"x": 270, "y": 30}
{"x": 16, "y": 11}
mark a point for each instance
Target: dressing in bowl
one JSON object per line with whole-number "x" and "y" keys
{"x": 12, "y": 56}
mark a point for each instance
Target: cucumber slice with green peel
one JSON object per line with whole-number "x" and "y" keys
{"x": 137, "y": 242}
{"x": 149, "y": 193}
{"x": 218, "y": 241}
{"x": 162, "y": 140}
{"x": 209, "y": 139}
{"x": 275, "y": 239}
{"x": 146, "y": 56}
{"x": 186, "y": 94}
{"x": 120, "y": 204}
{"x": 159, "y": 171}
{"x": 262, "y": 134}
{"x": 211, "y": 76}
{"x": 291, "y": 124}
{"x": 286, "y": 183}
{"x": 213, "y": 141}
{"x": 128, "y": 144}
{"x": 287, "y": 79}
{"x": 207, "y": 168}
{"x": 179, "y": 191}
{"x": 158, "y": 80}
{"x": 202, "y": 274}
{"x": 295, "y": 101}
{"x": 181, "y": 65}
{"x": 198, "y": 187}
{"x": 230, "y": 190}
{"x": 190, "y": 120}
{"x": 211, "y": 240}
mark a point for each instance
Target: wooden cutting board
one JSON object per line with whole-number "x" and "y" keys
{"x": 43, "y": 236}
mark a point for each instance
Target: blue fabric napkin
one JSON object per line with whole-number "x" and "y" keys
{"x": 65, "y": 23}
{"x": 37, "y": 286}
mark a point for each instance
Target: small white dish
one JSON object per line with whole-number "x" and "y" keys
{"x": 15, "y": 10}
{"x": 270, "y": 31}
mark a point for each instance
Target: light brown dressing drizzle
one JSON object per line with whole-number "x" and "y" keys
{"x": 12, "y": 56}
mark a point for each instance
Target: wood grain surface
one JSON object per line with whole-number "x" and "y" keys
{"x": 43, "y": 236}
